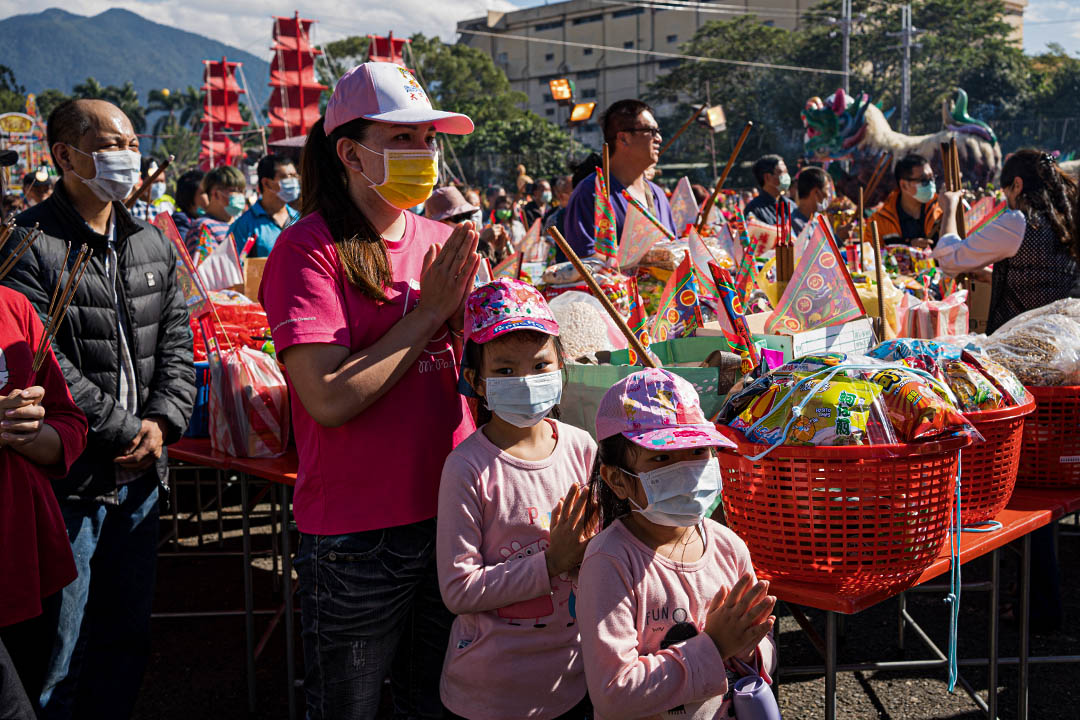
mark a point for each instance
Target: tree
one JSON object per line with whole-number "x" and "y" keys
{"x": 164, "y": 101}
{"x": 463, "y": 79}
{"x": 124, "y": 97}
{"x": 339, "y": 57}
{"x": 192, "y": 107}
{"x": 183, "y": 143}
{"x": 49, "y": 100}
{"x": 12, "y": 94}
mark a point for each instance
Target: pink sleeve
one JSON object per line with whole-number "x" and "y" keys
{"x": 621, "y": 682}
{"x": 466, "y": 583}
{"x": 766, "y": 650}
{"x": 301, "y": 292}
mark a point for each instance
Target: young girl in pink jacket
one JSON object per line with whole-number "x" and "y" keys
{"x": 670, "y": 611}
{"x": 511, "y": 524}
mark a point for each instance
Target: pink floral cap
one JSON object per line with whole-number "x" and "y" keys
{"x": 656, "y": 410}
{"x": 506, "y": 305}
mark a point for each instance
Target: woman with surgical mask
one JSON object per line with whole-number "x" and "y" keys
{"x": 224, "y": 187}
{"x": 538, "y": 207}
{"x": 365, "y": 301}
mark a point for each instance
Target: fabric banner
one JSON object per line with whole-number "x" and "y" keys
{"x": 679, "y": 312}
{"x": 532, "y": 246}
{"x": 700, "y": 257}
{"x": 684, "y": 207}
{"x": 639, "y": 234}
{"x": 510, "y": 267}
{"x": 196, "y": 296}
{"x": 607, "y": 245}
{"x": 221, "y": 269}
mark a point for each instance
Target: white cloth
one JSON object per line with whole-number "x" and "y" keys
{"x": 999, "y": 239}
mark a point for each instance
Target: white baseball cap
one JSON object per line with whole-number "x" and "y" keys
{"x": 387, "y": 92}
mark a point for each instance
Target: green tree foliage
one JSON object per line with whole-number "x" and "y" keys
{"x": 48, "y": 100}
{"x": 12, "y": 94}
{"x": 463, "y": 79}
{"x": 124, "y": 97}
{"x": 183, "y": 143}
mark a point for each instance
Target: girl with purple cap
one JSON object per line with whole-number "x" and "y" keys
{"x": 671, "y": 612}
{"x": 365, "y": 303}
{"x": 512, "y": 521}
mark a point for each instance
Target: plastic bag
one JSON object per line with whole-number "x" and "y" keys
{"x": 249, "y": 404}
{"x": 584, "y": 325}
{"x": 1042, "y": 351}
{"x": 1069, "y": 307}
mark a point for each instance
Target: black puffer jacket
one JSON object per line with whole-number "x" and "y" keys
{"x": 87, "y": 344}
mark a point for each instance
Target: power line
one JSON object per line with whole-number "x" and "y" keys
{"x": 654, "y": 53}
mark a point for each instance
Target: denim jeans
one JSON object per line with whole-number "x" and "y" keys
{"x": 103, "y": 639}
{"x": 370, "y": 607}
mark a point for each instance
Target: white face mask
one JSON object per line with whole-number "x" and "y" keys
{"x": 679, "y": 495}
{"x": 117, "y": 173}
{"x": 157, "y": 191}
{"x": 523, "y": 401}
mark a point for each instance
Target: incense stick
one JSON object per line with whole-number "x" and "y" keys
{"x": 59, "y": 281}
{"x": 130, "y": 202}
{"x": 880, "y": 280}
{"x": 25, "y": 244}
{"x": 681, "y": 130}
{"x": 707, "y": 207}
{"x": 56, "y": 317}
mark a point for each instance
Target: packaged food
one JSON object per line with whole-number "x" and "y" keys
{"x": 917, "y": 406}
{"x": 974, "y": 393}
{"x": 925, "y": 355}
{"x": 999, "y": 376}
{"x": 1042, "y": 351}
{"x": 1069, "y": 307}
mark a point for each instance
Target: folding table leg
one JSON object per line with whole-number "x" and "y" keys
{"x": 1025, "y": 610}
{"x": 992, "y": 669}
{"x": 273, "y": 536}
{"x": 174, "y": 494}
{"x": 198, "y": 505}
{"x": 287, "y": 586}
{"x": 220, "y": 511}
{"x": 830, "y": 665}
{"x": 249, "y": 599}
{"x": 902, "y": 597}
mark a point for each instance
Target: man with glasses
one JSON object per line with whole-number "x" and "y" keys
{"x": 633, "y": 140}
{"x": 910, "y": 214}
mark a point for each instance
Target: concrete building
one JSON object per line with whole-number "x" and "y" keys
{"x": 598, "y": 44}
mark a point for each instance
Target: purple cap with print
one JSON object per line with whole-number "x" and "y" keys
{"x": 657, "y": 410}
{"x": 506, "y": 305}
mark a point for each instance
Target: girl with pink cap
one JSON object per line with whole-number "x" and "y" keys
{"x": 512, "y": 521}
{"x": 670, "y": 610}
{"x": 365, "y": 303}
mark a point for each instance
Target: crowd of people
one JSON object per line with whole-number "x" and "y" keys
{"x": 489, "y": 559}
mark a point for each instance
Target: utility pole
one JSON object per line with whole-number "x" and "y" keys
{"x": 907, "y": 34}
{"x": 712, "y": 135}
{"x": 845, "y": 29}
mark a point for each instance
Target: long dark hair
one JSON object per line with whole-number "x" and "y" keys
{"x": 604, "y": 506}
{"x": 1048, "y": 194}
{"x": 474, "y": 358}
{"x": 362, "y": 252}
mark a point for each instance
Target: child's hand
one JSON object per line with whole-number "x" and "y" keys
{"x": 21, "y": 416}
{"x": 568, "y": 537}
{"x": 739, "y": 619}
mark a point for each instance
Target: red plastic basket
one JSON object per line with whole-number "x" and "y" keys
{"x": 1051, "y": 452}
{"x": 988, "y": 469}
{"x": 846, "y": 517}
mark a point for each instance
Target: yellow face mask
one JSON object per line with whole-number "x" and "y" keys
{"x": 409, "y": 176}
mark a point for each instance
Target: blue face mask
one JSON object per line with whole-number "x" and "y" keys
{"x": 679, "y": 495}
{"x": 199, "y": 212}
{"x": 925, "y": 192}
{"x": 289, "y": 189}
{"x": 236, "y": 205}
{"x": 523, "y": 401}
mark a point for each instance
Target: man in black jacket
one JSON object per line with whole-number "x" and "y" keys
{"x": 126, "y": 351}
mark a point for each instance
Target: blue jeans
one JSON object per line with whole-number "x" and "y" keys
{"x": 103, "y": 639}
{"x": 370, "y": 607}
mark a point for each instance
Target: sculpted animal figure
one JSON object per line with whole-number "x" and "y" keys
{"x": 841, "y": 127}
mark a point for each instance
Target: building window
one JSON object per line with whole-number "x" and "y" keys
{"x": 669, "y": 64}
{"x": 549, "y": 112}
{"x": 502, "y": 59}
{"x": 587, "y": 51}
{"x": 548, "y": 57}
{"x": 628, "y": 44}
{"x": 627, "y": 13}
{"x": 588, "y": 93}
{"x": 588, "y": 74}
{"x": 549, "y": 26}
{"x": 588, "y": 19}
{"x": 769, "y": 23}
{"x": 672, "y": 38}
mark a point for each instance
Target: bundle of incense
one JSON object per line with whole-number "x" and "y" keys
{"x": 861, "y": 236}
{"x": 785, "y": 248}
{"x": 880, "y": 281}
{"x": 5, "y": 230}
{"x": 703, "y": 220}
{"x": 648, "y": 215}
{"x": 953, "y": 180}
{"x": 60, "y": 302}
{"x": 25, "y": 244}
{"x": 145, "y": 186}
{"x": 878, "y": 174}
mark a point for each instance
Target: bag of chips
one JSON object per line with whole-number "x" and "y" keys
{"x": 974, "y": 393}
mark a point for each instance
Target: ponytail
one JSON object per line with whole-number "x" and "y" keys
{"x": 1049, "y": 192}
{"x": 361, "y": 250}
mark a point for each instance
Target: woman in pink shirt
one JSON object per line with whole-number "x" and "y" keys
{"x": 365, "y": 303}
{"x": 670, "y": 610}
{"x": 512, "y": 521}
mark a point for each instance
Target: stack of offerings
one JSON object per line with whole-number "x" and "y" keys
{"x": 845, "y": 472}
{"x": 1042, "y": 347}
{"x": 995, "y": 402}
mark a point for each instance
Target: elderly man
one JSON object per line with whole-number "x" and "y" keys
{"x": 633, "y": 140}
{"x": 126, "y": 351}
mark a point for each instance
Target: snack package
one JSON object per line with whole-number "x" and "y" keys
{"x": 974, "y": 393}
{"x": 917, "y": 406}
{"x": 249, "y": 404}
{"x": 1042, "y": 351}
{"x": 999, "y": 376}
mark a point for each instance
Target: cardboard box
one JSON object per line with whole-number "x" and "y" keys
{"x": 979, "y": 306}
{"x": 253, "y": 272}
{"x": 855, "y": 337}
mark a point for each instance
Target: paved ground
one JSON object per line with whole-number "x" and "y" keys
{"x": 197, "y": 668}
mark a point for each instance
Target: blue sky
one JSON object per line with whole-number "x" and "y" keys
{"x": 246, "y": 23}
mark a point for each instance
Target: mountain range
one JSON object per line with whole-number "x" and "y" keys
{"x": 58, "y": 49}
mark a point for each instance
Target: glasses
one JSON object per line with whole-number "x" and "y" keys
{"x": 654, "y": 131}
{"x": 923, "y": 180}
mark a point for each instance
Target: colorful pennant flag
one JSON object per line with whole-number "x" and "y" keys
{"x": 483, "y": 274}
{"x": 733, "y": 309}
{"x": 221, "y": 269}
{"x": 205, "y": 245}
{"x": 607, "y": 244}
{"x": 821, "y": 292}
{"x": 985, "y": 210}
{"x": 196, "y": 296}
{"x": 640, "y": 232}
{"x": 744, "y": 277}
{"x": 679, "y": 313}
{"x": 700, "y": 257}
{"x": 684, "y": 207}
{"x": 532, "y": 245}
{"x": 638, "y": 322}
{"x": 510, "y": 267}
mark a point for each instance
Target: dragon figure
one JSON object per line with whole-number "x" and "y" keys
{"x": 845, "y": 128}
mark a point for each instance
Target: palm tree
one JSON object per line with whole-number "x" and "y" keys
{"x": 127, "y": 99}
{"x": 192, "y": 107}
{"x": 89, "y": 89}
{"x": 164, "y": 101}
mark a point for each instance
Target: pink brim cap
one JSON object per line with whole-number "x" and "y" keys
{"x": 445, "y": 122}
{"x": 679, "y": 437}
{"x": 514, "y": 324}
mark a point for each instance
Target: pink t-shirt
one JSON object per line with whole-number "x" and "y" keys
{"x": 514, "y": 650}
{"x": 642, "y": 626}
{"x": 382, "y": 467}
